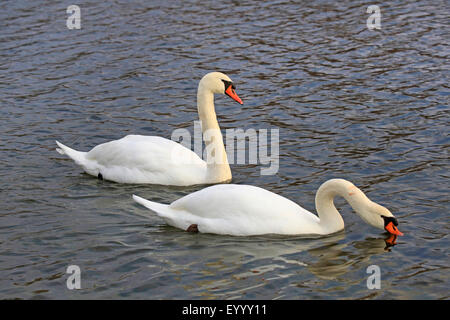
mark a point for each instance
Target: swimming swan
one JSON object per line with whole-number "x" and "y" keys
{"x": 243, "y": 210}
{"x": 156, "y": 160}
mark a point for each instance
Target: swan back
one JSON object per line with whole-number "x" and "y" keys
{"x": 245, "y": 210}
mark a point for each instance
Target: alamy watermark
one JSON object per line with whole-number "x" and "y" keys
{"x": 236, "y": 152}
{"x": 374, "y": 280}
{"x": 74, "y": 280}
{"x": 374, "y": 20}
{"x": 74, "y": 20}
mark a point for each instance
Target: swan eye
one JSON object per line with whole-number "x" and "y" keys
{"x": 228, "y": 84}
{"x": 389, "y": 219}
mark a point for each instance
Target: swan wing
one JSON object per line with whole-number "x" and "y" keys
{"x": 146, "y": 159}
{"x": 242, "y": 210}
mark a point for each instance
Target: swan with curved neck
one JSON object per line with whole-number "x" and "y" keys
{"x": 156, "y": 160}
{"x": 243, "y": 210}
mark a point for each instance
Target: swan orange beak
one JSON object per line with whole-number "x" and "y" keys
{"x": 232, "y": 94}
{"x": 393, "y": 229}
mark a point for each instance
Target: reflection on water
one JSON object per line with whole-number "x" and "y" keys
{"x": 368, "y": 106}
{"x": 336, "y": 259}
{"x": 264, "y": 262}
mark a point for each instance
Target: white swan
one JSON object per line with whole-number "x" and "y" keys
{"x": 243, "y": 210}
{"x": 156, "y": 160}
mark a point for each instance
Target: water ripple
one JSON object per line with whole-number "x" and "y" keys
{"x": 369, "y": 106}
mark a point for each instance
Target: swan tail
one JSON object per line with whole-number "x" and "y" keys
{"x": 77, "y": 156}
{"x": 173, "y": 217}
{"x": 159, "y": 208}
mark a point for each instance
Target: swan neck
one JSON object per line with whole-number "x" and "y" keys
{"x": 330, "y": 218}
{"x": 206, "y": 110}
{"x": 218, "y": 169}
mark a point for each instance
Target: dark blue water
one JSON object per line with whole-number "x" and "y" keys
{"x": 367, "y": 106}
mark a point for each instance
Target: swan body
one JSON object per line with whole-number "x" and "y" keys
{"x": 243, "y": 210}
{"x": 156, "y": 160}
{"x": 140, "y": 159}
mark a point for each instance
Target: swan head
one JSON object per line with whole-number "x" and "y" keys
{"x": 218, "y": 82}
{"x": 373, "y": 213}
{"x": 381, "y": 218}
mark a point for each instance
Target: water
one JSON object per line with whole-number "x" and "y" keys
{"x": 367, "y": 106}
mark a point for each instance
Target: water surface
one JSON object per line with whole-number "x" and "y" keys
{"x": 367, "y": 106}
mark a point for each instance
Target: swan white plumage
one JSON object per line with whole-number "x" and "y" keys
{"x": 243, "y": 210}
{"x": 156, "y": 160}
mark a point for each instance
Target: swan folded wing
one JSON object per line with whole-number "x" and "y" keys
{"x": 147, "y": 159}
{"x": 244, "y": 210}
